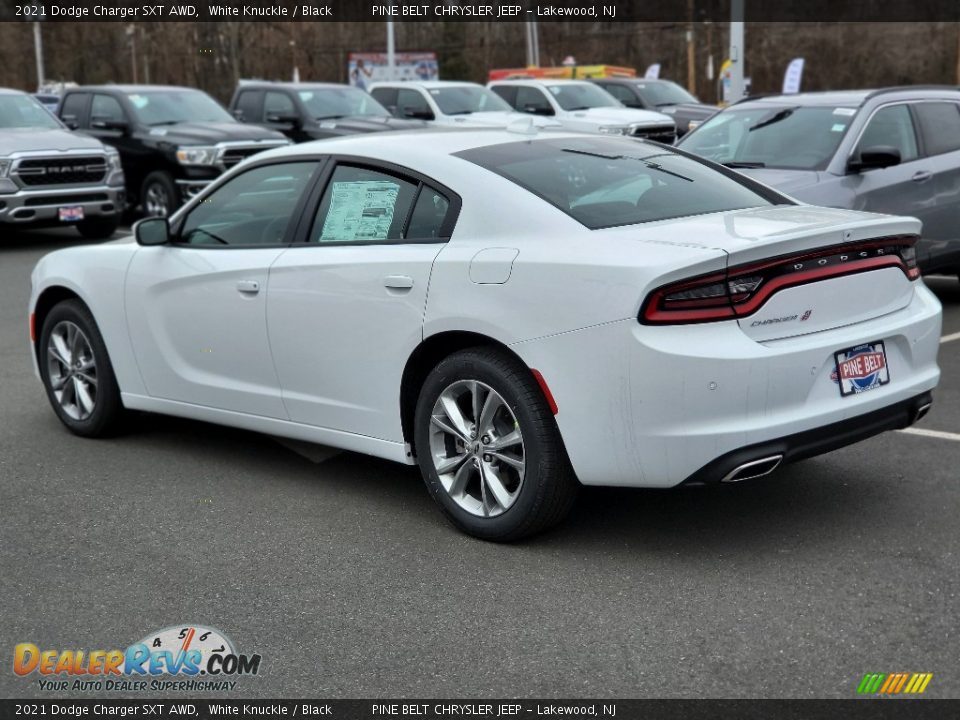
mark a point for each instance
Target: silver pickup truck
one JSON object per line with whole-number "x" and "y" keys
{"x": 51, "y": 176}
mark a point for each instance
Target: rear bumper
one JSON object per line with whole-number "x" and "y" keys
{"x": 645, "y": 406}
{"x": 810, "y": 443}
{"x": 41, "y": 207}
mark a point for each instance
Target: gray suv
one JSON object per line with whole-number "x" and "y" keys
{"x": 50, "y": 176}
{"x": 893, "y": 151}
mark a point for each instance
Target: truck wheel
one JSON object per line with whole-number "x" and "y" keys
{"x": 159, "y": 195}
{"x": 489, "y": 448}
{"x": 98, "y": 228}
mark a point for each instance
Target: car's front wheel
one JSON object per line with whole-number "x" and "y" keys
{"x": 76, "y": 371}
{"x": 489, "y": 448}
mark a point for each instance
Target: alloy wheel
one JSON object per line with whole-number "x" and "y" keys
{"x": 72, "y": 370}
{"x": 157, "y": 201}
{"x": 476, "y": 447}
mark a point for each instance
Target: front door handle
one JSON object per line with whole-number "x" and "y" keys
{"x": 398, "y": 282}
{"x": 248, "y": 287}
{"x": 922, "y": 176}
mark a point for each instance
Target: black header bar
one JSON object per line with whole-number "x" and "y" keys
{"x": 477, "y": 10}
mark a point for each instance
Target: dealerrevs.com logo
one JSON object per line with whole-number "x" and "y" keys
{"x": 187, "y": 657}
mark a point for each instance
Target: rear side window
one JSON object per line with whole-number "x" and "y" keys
{"x": 940, "y": 125}
{"x": 73, "y": 107}
{"x": 386, "y": 97}
{"x": 363, "y": 206}
{"x": 607, "y": 182}
{"x": 248, "y": 105}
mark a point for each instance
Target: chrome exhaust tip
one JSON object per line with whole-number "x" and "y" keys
{"x": 922, "y": 411}
{"x": 753, "y": 469}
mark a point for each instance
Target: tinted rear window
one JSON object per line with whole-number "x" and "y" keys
{"x": 606, "y": 182}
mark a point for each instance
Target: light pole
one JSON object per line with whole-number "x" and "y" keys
{"x": 38, "y": 52}
{"x": 736, "y": 52}
{"x": 391, "y": 52}
{"x": 533, "y": 44}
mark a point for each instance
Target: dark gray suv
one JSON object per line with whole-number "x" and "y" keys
{"x": 893, "y": 151}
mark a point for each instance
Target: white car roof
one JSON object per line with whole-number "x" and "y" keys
{"x": 425, "y": 84}
{"x": 540, "y": 83}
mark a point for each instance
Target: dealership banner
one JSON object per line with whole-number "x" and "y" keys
{"x": 364, "y": 68}
{"x": 163, "y": 708}
{"x": 472, "y": 10}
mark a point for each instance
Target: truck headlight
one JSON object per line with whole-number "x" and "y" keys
{"x": 4, "y": 168}
{"x": 113, "y": 160}
{"x": 613, "y": 130}
{"x": 196, "y": 155}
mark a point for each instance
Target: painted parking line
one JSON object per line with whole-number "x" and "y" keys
{"x": 939, "y": 434}
{"x": 950, "y": 338}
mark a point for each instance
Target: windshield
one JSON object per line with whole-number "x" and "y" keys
{"x": 166, "y": 107}
{"x": 340, "y": 102}
{"x": 606, "y": 182}
{"x": 21, "y": 111}
{"x": 785, "y": 137}
{"x": 582, "y": 96}
{"x": 663, "y": 93}
{"x": 466, "y": 99}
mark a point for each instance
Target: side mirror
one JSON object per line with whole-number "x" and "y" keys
{"x": 152, "y": 231}
{"x": 292, "y": 121}
{"x": 107, "y": 124}
{"x": 538, "y": 110}
{"x": 410, "y": 112}
{"x": 874, "y": 157}
{"x": 70, "y": 121}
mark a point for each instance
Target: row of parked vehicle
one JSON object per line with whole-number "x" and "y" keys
{"x": 895, "y": 150}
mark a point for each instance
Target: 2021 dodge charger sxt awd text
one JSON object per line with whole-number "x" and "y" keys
{"x": 517, "y": 312}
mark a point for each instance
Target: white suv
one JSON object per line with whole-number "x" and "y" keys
{"x": 446, "y": 102}
{"x": 580, "y": 105}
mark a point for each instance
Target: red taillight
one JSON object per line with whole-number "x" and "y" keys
{"x": 743, "y": 289}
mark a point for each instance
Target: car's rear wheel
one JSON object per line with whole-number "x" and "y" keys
{"x": 76, "y": 371}
{"x": 158, "y": 196}
{"x": 489, "y": 448}
{"x": 98, "y": 229}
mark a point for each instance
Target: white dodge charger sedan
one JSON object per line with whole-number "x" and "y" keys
{"x": 516, "y": 311}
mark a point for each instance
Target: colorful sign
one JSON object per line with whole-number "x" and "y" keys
{"x": 366, "y": 68}
{"x": 562, "y": 73}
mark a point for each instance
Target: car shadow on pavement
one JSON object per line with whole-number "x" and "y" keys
{"x": 808, "y": 502}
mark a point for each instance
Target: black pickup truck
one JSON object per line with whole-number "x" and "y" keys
{"x": 313, "y": 111}
{"x": 172, "y": 141}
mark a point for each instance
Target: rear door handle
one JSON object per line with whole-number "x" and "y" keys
{"x": 248, "y": 287}
{"x": 922, "y": 176}
{"x": 398, "y": 282}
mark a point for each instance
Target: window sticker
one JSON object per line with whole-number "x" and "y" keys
{"x": 838, "y": 127}
{"x": 139, "y": 101}
{"x": 360, "y": 211}
{"x": 845, "y": 111}
{"x": 306, "y": 95}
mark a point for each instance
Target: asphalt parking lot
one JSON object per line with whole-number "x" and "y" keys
{"x": 348, "y": 582}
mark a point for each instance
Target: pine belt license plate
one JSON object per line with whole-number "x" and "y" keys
{"x": 861, "y": 368}
{"x": 71, "y": 214}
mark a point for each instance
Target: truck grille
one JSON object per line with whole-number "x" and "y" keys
{"x": 231, "y": 156}
{"x": 661, "y": 133}
{"x": 61, "y": 171}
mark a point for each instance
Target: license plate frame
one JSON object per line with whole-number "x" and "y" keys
{"x": 70, "y": 213}
{"x": 861, "y": 368}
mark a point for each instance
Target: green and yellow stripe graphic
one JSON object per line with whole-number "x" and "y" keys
{"x": 894, "y": 683}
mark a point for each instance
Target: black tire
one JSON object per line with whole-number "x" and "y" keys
{"x": 98, "y": 228}
{"x": 107, "y": 409}
{"x": 158, "y": 194}
{"x": 548, "y": 488}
